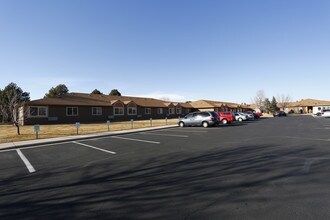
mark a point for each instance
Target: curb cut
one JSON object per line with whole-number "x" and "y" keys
{"x": 14, "y": 145}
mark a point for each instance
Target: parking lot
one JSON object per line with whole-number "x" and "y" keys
{"x": 263, "y": 169}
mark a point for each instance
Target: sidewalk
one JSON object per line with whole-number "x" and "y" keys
{"x": 35, "y": 142}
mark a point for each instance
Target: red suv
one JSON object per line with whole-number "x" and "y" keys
{"x": 226, "y": 117}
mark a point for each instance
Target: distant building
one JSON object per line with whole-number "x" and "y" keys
{"x": 307, "y": 105}
{"x": 90, "y": 108}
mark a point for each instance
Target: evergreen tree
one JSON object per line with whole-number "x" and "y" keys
{"x": 273, "y": 105}
{"x": 267, "y": 105}
{"x": 115, "y": 92}
{"x": 96, "y": 91}
{"x": 57, "y": 91}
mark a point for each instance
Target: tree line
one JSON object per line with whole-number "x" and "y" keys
{"x": 62, "y": 89}
{"x": 266, "y": 105}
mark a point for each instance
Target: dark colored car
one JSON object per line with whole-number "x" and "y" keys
{"x": 279, "y": 114}
{"x": 204, "y": 119}
{"x": 226, "y": 117}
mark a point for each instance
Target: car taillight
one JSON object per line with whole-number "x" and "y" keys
{"x": 212, "y": 118}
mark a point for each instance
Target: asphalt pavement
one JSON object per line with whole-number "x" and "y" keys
{"x": 274, "y": 168}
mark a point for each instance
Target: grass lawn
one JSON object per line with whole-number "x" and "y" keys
{"x": 8, "y": 133}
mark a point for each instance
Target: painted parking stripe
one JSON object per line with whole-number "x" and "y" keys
{"x": 26, "y": 161}
{"x": 96, "y": 148}
{"x": 179, "y": 130}
{"x": 133, "y": 139}
{"x": 161, "y": 134}
{"x": 37, "y": 146}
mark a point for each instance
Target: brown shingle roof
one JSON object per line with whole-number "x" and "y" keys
{"x": 84, "y": 99}
{"x": 309, "y": 102}
{"x": 212, "y": 104}
{"x": 69, "y": 100}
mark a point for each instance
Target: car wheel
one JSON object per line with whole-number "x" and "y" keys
{"x": 224, "y": 121}
{"x": 205, "y": 124}
{"x": 181, "y": 124}
{"x": 240, "y": 119}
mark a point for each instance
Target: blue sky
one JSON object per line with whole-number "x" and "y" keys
{"x": 180, "y": 49}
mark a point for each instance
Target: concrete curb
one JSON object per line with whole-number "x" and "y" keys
{"x": 76, "y": 137}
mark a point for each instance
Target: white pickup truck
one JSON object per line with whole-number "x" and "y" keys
{"x": 325, "y": 113}
{"x": 317, "y": 110}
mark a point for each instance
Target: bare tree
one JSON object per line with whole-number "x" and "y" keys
{"x": 284, "y": 101}
{"x": 15, "y": 100}
{"x": 258, "y": 100}
{"x": 13, "y": 107}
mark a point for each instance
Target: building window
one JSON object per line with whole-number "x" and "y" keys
{"x": 187, "y": 110}
{"x": 147, "y": 111}
{"x": 171, "y": 111}
{"x": 71, "y": 111}
{"x": 118, "y": 110}
{"x": 178, "y": 111}
{"x": 38, "y": 111}
{"x": 131, "y": 111}
{"x": 160, "y": 111}
{"x": 96, "y": 110}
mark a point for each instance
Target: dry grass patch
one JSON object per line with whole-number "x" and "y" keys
{"x": 8, "y": 133}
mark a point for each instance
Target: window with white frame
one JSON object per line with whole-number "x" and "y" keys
{"x": 96, "y": 110}
{"x": 171, "y": 111}
{"x": 38, "y": 111}
{"x": 71, "y": 111}
{"x": 147, "y": 111}
{"x": 178, "y": 111}
{"x": 131, "y": 110}
{"x": 118, "y": 111}
{"x": 160, "y": 111}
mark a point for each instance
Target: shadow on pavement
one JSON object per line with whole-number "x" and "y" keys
{"x": 217, "y": 183}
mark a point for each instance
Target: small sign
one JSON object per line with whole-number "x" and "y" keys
{"x": 77, "y": 125}
{"x": 52, "y": 118}
{"x": 108, "y": 123}
{"x": 36, "y": 128}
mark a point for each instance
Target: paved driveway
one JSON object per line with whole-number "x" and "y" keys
{"x": 276, "y": 168}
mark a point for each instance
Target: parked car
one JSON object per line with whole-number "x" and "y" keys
{"x": 256, "y": 115}
{"x": 205, "y": 119}
{"x": 240, "y": 116}
{"x": 325, "y": 113}
{"x": 279, "y": 114}
{"x": 226, "y": 117}
{"x": 249, "y": 115}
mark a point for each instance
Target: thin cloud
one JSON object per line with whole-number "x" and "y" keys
{"x": 163, "y": 96}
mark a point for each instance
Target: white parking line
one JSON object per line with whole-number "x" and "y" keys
{"x": 26, "y": 161}
{"x": 96, "y": 148}
{"x": 132, "y": 139}
{"x": 31, "y": 147}
{"x": 169, "y": 135}
{"x": 179, "y": 130}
